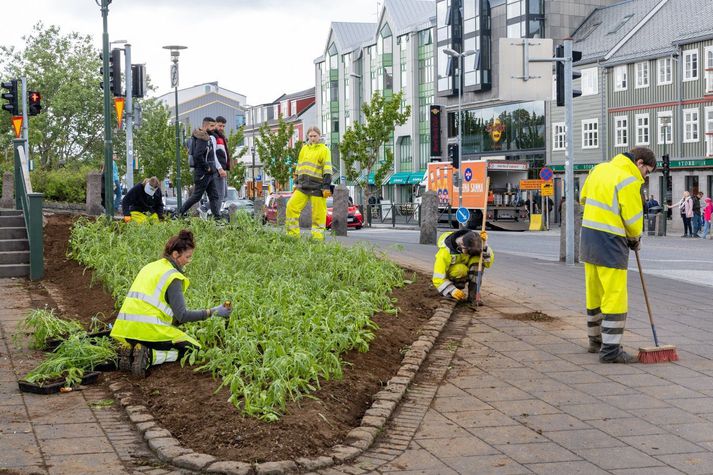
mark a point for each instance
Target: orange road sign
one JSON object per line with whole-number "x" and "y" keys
{"x": 119, "y": 106}
{"x": 531, "y": 184}
{"x": 17, "y": 125}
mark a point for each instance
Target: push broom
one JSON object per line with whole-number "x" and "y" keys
{"x": 658, "y": 353}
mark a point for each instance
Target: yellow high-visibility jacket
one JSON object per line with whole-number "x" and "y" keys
{"x": 145, "y": 314}
{"x": 449, "y": 256}
{"x": 314, "y": 169}
{"x": 613, "y": 212}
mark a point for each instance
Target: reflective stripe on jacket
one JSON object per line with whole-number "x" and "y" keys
{"x": 613, "y": 212}
{"x": 314, "y": 169}
{"x": 448, "y": 256}
{"x": 145, "y": 314}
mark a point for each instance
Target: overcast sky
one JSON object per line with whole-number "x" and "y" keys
{"x": 259, "y": 48}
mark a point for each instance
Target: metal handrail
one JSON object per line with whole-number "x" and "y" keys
{"x": 31, "y": 205}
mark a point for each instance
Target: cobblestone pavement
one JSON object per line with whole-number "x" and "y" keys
{"x": 516, "y": 397}
{"x": 74, "y": 433}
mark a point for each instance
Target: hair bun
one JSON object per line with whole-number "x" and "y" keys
{"x": 185, "y": 234}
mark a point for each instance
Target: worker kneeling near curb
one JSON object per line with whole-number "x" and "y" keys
{"x": 143, "y": 202}
{"x": 313, "y": 178}
{"x": 155, "y": 304}
{"x": 612, "y": 224}
{"x": 457, "y": 262}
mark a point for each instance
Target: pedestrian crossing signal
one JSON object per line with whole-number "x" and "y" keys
{"x": 34, "y": 103}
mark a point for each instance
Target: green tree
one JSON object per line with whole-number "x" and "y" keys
{"x": 361, "y": 144}
{"x": 276, "y": 155}
{"x": 236, "y": 141}
{"x": 64, "y": 68}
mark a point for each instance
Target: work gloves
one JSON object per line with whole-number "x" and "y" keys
{"x": 221, "y": 311}
{"x": 127, "y": 219}
{"x": 634, "y": 244}
{"x": 459, "y": 295}
{"x": 483, "y": 235}
{"x": 326, "y": 193}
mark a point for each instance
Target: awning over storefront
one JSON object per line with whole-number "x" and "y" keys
{"x": 400, "y": 178}
{"x": 417, "y": 177}
{"x": 371, "y": 178}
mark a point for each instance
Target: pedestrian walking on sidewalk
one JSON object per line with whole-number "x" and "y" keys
{"x": 457, "y": 259}
{"x": 697, "y": 221}
{"x": 205, "y": 173}
{"x": 612, "y": 224}
{"x": 707, "y": 212}
{"x": 685, "y": 207}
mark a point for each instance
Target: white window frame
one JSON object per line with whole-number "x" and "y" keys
{"x": 589, "y": 81}
{"x": 642, "y": 74}
{"x": 590, "y": 134}
{"x": 690, "y": 74}
{"x": 691, "y": 125}
{"x": 708, "y": 123}
{"x": 620, "y": 78}
{"x": 621, "y": 131}
{"x": 659, "y": 123}
{"x": 708, "y": 56}
{"x": 641, "y": 128}
{"x": 665, "y": 66}
{"x": 559, "y": 137}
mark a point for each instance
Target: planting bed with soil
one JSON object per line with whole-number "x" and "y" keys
{"x": 191, "y": 407}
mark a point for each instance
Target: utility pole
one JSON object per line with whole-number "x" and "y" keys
{"x": 569, "y": 156}
{"x": 25, "y": 123}
{"x": 108, "y": 182}
{"x": 129, "y": 110}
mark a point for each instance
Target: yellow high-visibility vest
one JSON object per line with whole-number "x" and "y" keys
{"x": 145, "y": 315}
{"x": 444, "y": 261}
{"x": 313, "y": 163}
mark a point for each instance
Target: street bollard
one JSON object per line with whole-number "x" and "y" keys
{"x": 94, "y": 206}
{"x": 340, "y": 210}
{"x": 429, "y": 218}
{"x": 577, "y": 231}
{"x": 281, "y": 210}
{"x": 258, "y": 206}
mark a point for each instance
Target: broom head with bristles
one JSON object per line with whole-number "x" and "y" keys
{"x": 658, "y": 354}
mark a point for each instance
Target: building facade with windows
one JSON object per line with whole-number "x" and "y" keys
{"x": 656, "y": 91}
{"x": 390, "y": 56}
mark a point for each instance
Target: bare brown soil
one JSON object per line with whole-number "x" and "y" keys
{"x": 187, "y": 404}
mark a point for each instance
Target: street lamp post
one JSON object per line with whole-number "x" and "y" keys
{"x": 460, "y": 56}
{"x": 175, "y": 52}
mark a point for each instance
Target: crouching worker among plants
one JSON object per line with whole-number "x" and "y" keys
{"x": 143, "y": 202}
{"x": 457, "y": 263}
{"x": 146, "y": 324}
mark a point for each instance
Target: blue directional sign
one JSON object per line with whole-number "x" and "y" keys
{"x": 546, "y": 174}
{"x": 462, "y": 215}
{"x": 468, "y": 174}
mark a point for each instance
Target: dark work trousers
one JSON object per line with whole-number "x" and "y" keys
{"x": 204, "y": 183}
{"x": 687, "y": 231}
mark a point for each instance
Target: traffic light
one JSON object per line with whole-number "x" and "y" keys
{"x": 576, "y": 56}
{"x": 666, "y": 168}
{"x": 138, "y": 80}
{"x": 115, "y": 72}
{"x": 34, "y": 102}
{"x": 11, "y": 97}
{"x": 453, "y": 154}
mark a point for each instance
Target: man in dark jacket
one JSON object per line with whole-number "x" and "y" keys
{"x": 223, "y": 155}
{"x": 697, "y": 217}
{"x": 204, "y": 173}
{"x": 143, "y": 202}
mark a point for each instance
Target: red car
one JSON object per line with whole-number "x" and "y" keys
{"x": 354, "y": 217}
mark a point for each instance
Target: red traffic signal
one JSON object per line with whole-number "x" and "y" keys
{"x": 34, "y": 102}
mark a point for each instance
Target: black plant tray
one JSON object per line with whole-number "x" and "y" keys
{"x": 106, "y": 367}
{"x": 51, "y": 345}
{"x": 52, "y": 388}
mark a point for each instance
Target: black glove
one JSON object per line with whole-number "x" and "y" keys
{"x": 634, "y": 244}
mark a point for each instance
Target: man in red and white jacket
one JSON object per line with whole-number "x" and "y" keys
{"x": 222, "y": 153}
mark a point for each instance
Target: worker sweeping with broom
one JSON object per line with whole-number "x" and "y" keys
{"x": 612, "y": 225}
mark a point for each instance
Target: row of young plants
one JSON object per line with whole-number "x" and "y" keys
{"x": 297, "y": 305}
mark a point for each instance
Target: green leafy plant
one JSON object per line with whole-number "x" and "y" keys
{"x": 42, "y": 325}
{"x": 297, "y": 305}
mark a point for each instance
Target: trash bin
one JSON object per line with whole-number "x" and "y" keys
{"x": 651, "y": 216}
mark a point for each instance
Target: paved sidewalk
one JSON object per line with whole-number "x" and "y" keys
{"x": 525, "y": 397}
{"x": 59, "y": 433}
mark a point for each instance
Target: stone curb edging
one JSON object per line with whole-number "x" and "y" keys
{"x": 169, "y": 449}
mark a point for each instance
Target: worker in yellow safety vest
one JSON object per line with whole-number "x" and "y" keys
{"x": 155, "y": 304}
{"x": 612, "y": 225}
{"x": 457, "y": 260}
{"x": 313, "y": 179}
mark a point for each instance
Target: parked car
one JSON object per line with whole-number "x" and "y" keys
{"x": 242, "y": 204}
{"x": 354, "y": 217}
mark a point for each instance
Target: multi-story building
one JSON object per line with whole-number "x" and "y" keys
{"x": 391, "y": 56}
{"x": 297, "y": 109}
{"x": 496, "y": 129}
{"x": 206, "y": 100}
{"x": 647, "y": 78}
